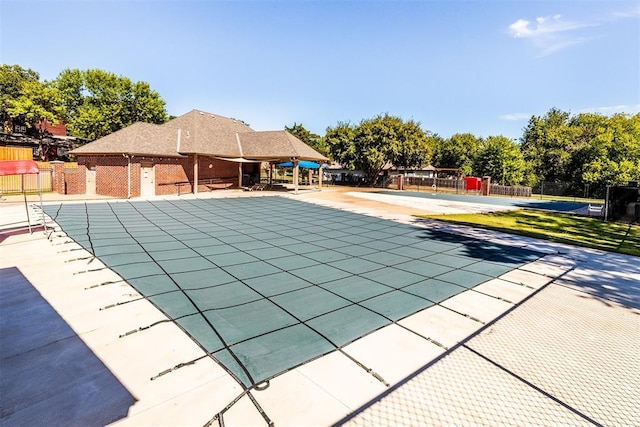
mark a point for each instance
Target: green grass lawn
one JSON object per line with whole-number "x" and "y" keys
{"x": 556, "y": 227}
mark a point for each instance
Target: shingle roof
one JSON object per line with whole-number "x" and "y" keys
{"x": 202, "y": 133}
{"x": 206, "y": 133}
{"x": 139, "y": 138}
{"x": 280, "y": 144}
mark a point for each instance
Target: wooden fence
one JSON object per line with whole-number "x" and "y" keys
{"x": 16, "y": 153}
{"x": 508, "y": 190}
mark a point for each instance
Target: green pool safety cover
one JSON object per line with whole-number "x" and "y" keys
{"x": 264, "y": 284}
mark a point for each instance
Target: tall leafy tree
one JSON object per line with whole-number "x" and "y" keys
{"x": 547, "y": 145}
{"x": 98, "y": 102}
{"x": 373, "y": 143}
{"x": 500, "y": 158}
{"x": 408, "y": 145}
{"x": 612, "y": 155}
{"x": 311, "y": 139}
{"x": 38, "y": 103}
{"x": 585, "y": 149}
{"x": 340, "y": 141}
{"x": 456, "y": 152}
{"x": 26, "y": 101}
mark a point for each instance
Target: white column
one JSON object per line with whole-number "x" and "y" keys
{"x": 296, "y": 169}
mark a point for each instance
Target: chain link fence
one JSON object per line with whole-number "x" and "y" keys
{"x": 572, "y": 190}
{"x": 453, "y": 185}
{"x": 430, "y": 184}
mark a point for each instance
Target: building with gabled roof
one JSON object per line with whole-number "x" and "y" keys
{"x": 193, "y": 152}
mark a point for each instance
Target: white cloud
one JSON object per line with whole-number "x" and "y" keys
{"x": 549, "y": 34}
{"x": 613, "y": 109}
{"x": 520, "y": 28}
{"x": 543, "y": 27}
{"x": 515, "y": 117}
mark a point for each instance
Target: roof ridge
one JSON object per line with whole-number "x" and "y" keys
{"x": 290, "y": 141}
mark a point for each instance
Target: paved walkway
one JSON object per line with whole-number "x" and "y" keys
{"x": 560, "y": 350}
{"x": 567, "y": 355}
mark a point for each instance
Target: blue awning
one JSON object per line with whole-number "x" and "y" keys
{"x": 302, "y": 163}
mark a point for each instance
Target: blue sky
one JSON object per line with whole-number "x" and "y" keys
{"x": 454, "y": 66}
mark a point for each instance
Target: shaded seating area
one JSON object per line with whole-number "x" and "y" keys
{"x": 210, "y": 183}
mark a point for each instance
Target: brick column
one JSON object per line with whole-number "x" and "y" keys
{"x": 57, "y": 176}
{"x": 486, "y": 185}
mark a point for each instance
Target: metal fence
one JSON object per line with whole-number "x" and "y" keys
{"x": 567, "y": 189}
{"x": 423, "y": 183}
{"x": 451, "y": 185}
{"x": 10, "y": 184}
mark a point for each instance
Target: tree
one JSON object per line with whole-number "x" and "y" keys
{"x": 547, "y": 145}
{"x": 27, "y": 101}
{"x": 585, "y": 149}
{"x": 408, "y": 145}
{"x": 602, "y": 172}
{"x": 98, "y": 102}
{"x": 375, "y": 142}
{"x": 311, "y": 139}
{"x": 500, "y": 158}
{"x": 612, "y": 154}
{"x": 339, "y": 140}
{"x": 37, "y": 104}
{"x": 456, "y": 152}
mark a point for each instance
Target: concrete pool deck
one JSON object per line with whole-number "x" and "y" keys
{"x": 562, "y": 350}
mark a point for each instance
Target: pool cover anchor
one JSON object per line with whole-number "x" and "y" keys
{"x": 119, "y": 303}
{"x": 370, "y": 371}
{"x": 378, "y": 377}
{"x": 468, "y": 316}
{"x": 60, "y": 235}
{"x": 81, "y": 259}
{"x": 109, "y": 282}
{"x": 91, "y": 270}
{"x": 142, "y": 328}
{"x": 178, "y": 366}
{"x": 70, "y": 250}
{"x": 424, "y": 337}
{"x": 63, "y": 243}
